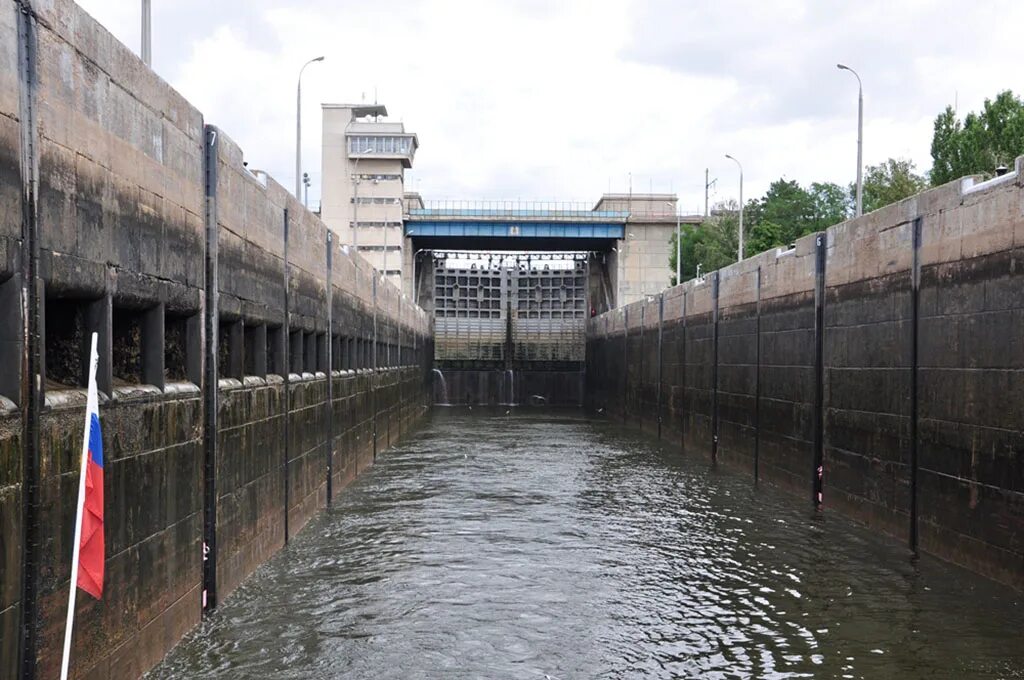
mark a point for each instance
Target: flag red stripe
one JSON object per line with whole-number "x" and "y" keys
{"x": 90, "y": 558}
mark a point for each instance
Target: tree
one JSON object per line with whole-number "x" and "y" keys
{"x": 712, "y": 244}
{"x": 889, "y": 182}
{"x": 832, "y": 205}
{"x": 690, "y": 234}
{"x": 788, "y": 211}
{"x": 984, "y": 141}
{"x": 719, "y": 243}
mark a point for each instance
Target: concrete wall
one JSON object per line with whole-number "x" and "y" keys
{"x": 247, "y": 361}
{"x": 875, "y": 370}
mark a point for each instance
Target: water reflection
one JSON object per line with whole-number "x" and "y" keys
{"x": 537, "y": 545}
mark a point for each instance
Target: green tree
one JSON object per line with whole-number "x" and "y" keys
{"x": 788, "y": 211}
{"x": 889, "y": 182}
{"x": 985, "y": 140}
{"x": 690, "y": 234}
{"x": 711, "y": 244}
{"x": 832, "y": 205}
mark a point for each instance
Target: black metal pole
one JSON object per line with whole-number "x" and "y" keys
{"x": 211, "y": 373}
{"x": 915, "y": 312}
{"x": 714, "y": 369}
{"x": 32, "y": 369}
{"x": 757, "y": 384}
{"x": 819, "y": 371}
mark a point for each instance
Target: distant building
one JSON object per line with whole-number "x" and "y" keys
{"x": 639, "y": 265}
{"x": 364, "y": 164}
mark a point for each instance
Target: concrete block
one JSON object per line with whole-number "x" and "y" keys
{"x": 989, "y": 220}
{"x": 941, "y": 237}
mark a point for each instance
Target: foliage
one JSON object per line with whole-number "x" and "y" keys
{"x": 981, "y": 143}
{"x": 712, "y": 244}
{"x": 789, "y": 211}
{"x": 889, "y": 182}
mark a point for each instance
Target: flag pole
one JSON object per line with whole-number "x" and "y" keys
{"x": 91, "y": 402}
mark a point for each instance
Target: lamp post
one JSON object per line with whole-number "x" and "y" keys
{"x": 298, "y": 129}
{"x": 740, "y": 249}
{"x": 147, "y": 34}
{"x": 860, "y": 139}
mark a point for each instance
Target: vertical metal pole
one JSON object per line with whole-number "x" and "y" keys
{"x": 640, "y": 389}
{"x": 740, "y": 258}
{"x": 860, "y": 148}
{"x": 819, "y": 370}
{"x": 147, "y": 35}
{"x": 682, "y": 379}
{"x": 373, "y": 374}
{"x": 298, "y": 134}
{"x": 757, "y": 384}
{"x": 714, "y": 368}
{"x": 286, "y": 401}
{"x": 625, "y": 364}
{"x": 707, "y": 187}
{"x": 330, "y": 367}
{"x": 32, "y": 340}
{"x": 661, "y": 357}
{"x": 914, "y": 365}
{"x": 210, "y": 375}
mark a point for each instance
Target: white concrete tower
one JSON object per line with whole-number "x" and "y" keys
{"x": 363, "y": 164}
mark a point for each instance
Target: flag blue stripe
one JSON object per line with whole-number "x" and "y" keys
{"x": 95, "y": 440}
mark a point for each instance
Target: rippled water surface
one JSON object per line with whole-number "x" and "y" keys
{"x": 547, "y": 545}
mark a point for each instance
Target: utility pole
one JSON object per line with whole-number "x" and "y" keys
{"x": 707, "y": 186}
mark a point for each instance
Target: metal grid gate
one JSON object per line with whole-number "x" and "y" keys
{"x": 518, "y": 310}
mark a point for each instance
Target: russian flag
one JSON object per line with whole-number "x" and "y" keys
{"x": 90, "y": 560}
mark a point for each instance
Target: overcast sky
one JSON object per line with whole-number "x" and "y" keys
{"x": 562, "y": 100}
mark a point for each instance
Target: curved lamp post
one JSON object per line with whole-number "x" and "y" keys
{"x": 860, "y": 139}
{"x": 298, "y": 130}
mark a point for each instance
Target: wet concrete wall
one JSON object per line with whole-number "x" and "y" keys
{"x": 250, "y": 367}
{"x": 875, "y": 369}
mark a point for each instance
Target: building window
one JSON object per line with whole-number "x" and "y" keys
{"x": 382, "y": 144}
{"x": 370, "y": 177}
{"x": 375, "y": 223}
{"x": 374, "y": 200}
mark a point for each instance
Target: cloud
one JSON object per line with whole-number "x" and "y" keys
{"x": 562, "y": 101}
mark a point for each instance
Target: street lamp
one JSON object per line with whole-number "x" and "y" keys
{"x": 147, "y": 33}
{"x": 860, "y": 139}
{"x": 298, "y": 129}
{"x": 740, "y": 249}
